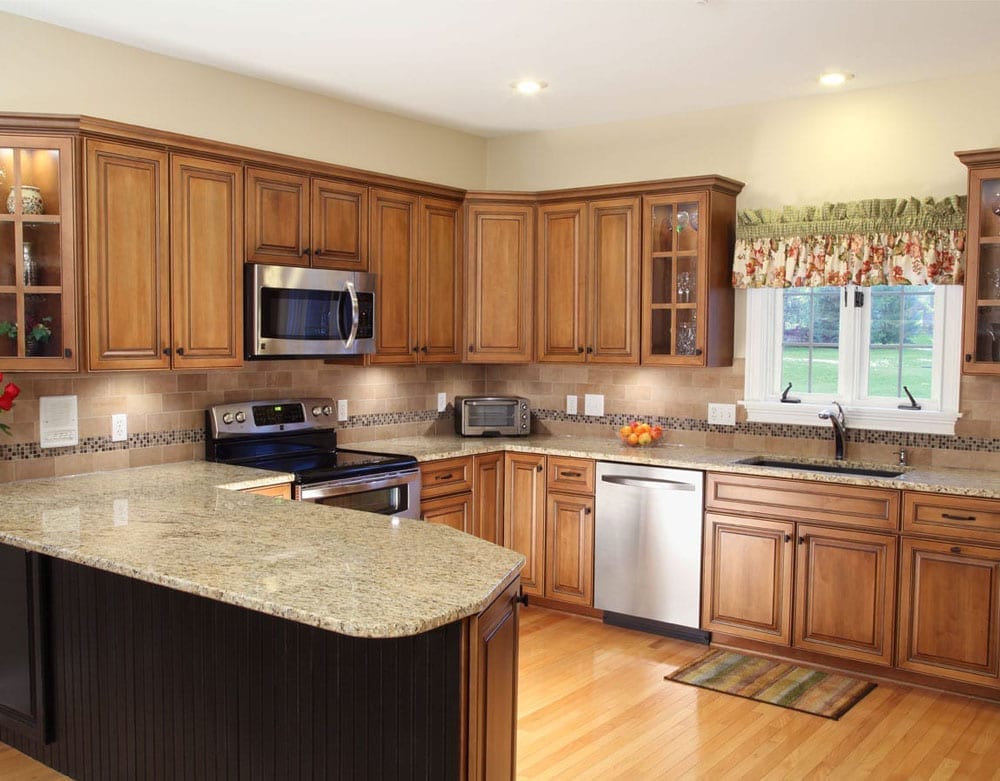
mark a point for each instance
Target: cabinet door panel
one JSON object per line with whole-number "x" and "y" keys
{"x": 845, "y": 584}
{"x": 747, "y": 587}
{"x": 440, "y": 282}
{"x": 524, "y": 515}
{"x": 277, "y": 217}
{"x": 499, "y": 284}
{"x": 206, "y": 271}
{"x": 560, "y": 319}
{"x": 454, "y": 511}
{"x": 128, "y": 262}
{"x": 394, "y": 261}
{"x": 488, "y": 497}
{"x": 569, "y": 548}
{"x": 613, "y": 286}
{"x": 339, "y": 226}
{"x": 949, "y": 611}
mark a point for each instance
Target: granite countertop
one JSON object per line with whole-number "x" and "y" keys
{"x": 185, "y": 527}
{"x": 963, "y": 482}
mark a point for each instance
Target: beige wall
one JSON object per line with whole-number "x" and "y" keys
{"x": 862, "y": 143}
{"x": 63, "y": 72}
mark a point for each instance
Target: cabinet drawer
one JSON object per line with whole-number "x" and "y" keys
{"x": 803, "y": 500}
{"x": 447, "y": 476}
{"x": 454, "y": 511}
{"x": 963, "y": 517}
{"x": 573, "y": 475}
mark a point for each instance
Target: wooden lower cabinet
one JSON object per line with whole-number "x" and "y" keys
{"x": 949, "y": 611}
{"x": 747, "y": 581}
{"x": 283, "y": 491}
{"x": 493, "y": 689}
{"x": 524, "y": 515}
{"x": 454, "y": 511}
{"x": 488, "y": 496}
{"x": 845, "y": 585}
{"x": 569, "y": 548}
{"x": 23, "y": 684}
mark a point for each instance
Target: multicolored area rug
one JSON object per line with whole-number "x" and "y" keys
{"x": 777, "y": 683}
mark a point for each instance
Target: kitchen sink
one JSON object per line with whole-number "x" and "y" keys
{"x": 845, "y": 468}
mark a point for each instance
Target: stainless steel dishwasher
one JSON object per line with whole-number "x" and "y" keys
{"x": 647, "y": 548}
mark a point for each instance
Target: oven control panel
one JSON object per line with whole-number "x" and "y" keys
{"x": 263, "y": 417}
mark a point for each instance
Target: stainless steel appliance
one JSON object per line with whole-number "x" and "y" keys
{"x": 299, "y": 436}
{"x": 293, "y": 312}
{"x": 647, "y": 548}
{"x": 492, "y": 416}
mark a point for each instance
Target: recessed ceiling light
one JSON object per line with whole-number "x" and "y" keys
{"x": 835, "y": 78}
{"x": 529, "y": 86}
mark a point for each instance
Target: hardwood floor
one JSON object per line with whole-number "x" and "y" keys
{"x": 592, "y": 703}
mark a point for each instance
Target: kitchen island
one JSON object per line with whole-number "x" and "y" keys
{"x": 181, "y": 628}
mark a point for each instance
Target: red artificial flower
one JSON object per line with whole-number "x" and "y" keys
{"x": 10, "y": 392}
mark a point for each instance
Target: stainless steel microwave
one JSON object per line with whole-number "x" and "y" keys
{"x": 294, "y": 312}
{"x": 492, "y": 416}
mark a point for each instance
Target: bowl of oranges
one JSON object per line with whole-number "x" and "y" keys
{"x": 639, "y": 434}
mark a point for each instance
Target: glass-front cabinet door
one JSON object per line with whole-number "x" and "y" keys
{"x": 674, "y": 279}
{"x": 982, "y": 283}
{"x": 37, "y": 272}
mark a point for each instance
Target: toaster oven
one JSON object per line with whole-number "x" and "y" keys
{"x": 492, "y": 416}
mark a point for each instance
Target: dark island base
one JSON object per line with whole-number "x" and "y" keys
{"x": 143, "y": 682}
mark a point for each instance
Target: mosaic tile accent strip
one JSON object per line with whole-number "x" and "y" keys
{"x": 31, "y": 450}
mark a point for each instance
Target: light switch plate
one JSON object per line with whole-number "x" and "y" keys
{"x": 342, "y": 409}
{"x": 571, "y": 405}
{"x": 593, "y": 404}
{"x": 722, "y": 414}
{"x": 442, "y": 402}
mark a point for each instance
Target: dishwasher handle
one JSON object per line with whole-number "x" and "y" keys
{"x": 648, "y": 482}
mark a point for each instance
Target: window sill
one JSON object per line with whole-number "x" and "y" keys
{"x": 873, "y": 418}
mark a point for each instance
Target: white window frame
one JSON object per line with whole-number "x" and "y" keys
{"x": 762, "y": 394}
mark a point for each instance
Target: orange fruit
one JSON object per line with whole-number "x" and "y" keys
{"x": 625, "y": 431}
{"x": 633, "y": 439}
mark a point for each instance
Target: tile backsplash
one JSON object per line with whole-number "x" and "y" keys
{"x": 166, "y": 410}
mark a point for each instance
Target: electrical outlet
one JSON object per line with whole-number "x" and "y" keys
{"x": 593, "y": 404}
{"x": 571, "y": 405}
{"x": 119, "y": 428}
{"x": 722, "y": 414}
{"x": 341, "y": 409}
{"x": 442, "y": 402}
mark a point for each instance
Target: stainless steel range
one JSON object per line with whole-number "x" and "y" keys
{"x": 299, "y": 436}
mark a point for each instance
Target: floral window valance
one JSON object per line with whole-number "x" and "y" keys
{"x": 878, "y": 242}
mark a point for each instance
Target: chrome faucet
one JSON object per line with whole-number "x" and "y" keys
{"x": 839, "y": 427}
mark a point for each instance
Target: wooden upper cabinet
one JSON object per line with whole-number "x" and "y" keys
{"x": 439, "y": 281}
{"x": 613, "y": 281}
{"x": 277, "y": 217}
{"x": 687, "y": 291}
{"x": 296, "y": 220}
{"x": 499, "y": 283}
{"x": 394, "y": 262}
{"x": 128, "y": 257}
{"x": 339, "y": 226}
{"x": 38, "y": 251}
{"x": 206, "y": 269}
{"x": 587, "y": 307}
{"x": 560, "y": 310}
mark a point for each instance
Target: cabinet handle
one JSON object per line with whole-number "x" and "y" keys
{"x": 415, "y": 348}
{"x": 538, "y": 468}
{"x": 589, "y": 349}
{"x": 579, "y": 349}
{"x": 788, "y": 537}
{"x": 306, "y": 251}
{"x": 968, "y": 358}
{"x": 571, "y": 474}
{"x": 318, "y": 252}
{"x": 472, "y": 348}
{"x": 586, "y": 511}
{"x": 951, "y": 517}
{"x": 697, "y": 351}
{"x": 444, "y": 477}
{"x": 423, "y": 349}
{"x": 180, "y": 351}
{"x": 956, "y": 549}
{"x": 167, "y": 351}
{"x": 801, "y": 539}
{"x": 522, "y": 598}
{"x": 67, "y": 353}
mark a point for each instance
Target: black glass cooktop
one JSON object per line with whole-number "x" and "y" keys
{"x": 312, "y": 468}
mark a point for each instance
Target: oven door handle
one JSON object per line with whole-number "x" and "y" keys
{"x": 352, "y": 485}
{"x": 355, "y": 314}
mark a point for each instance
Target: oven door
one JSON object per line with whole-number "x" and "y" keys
{"x": 393, "y": 493}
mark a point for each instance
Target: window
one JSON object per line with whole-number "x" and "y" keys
{"x": 858, "y": 346}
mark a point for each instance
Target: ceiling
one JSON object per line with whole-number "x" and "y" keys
{"x": 451, "y": 62}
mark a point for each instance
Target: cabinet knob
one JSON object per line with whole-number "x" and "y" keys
{"x": 522, "y": 598}
{"x": 956, "y": 549}
{"x": 788, "y": 538}
{"x": 180, "y": 351}
{"x": 167, "y": 351}
{"x": 538, "y": 468}
{"x": 472, "y": 348}
{"x": 589, "y": 349}
{"x": 306, "y": 251}
{"x": 415, "y": 348}
{"x": 423, "y": 349}
{"x": 586, "y": 511}
{"x": 968, "y": 358}
{"x": 801, "y": 540}
{"x": 67, "y": 353}
{"x": 318, "y": 252}
{"x": 697, "y": 351}
{"x": 579, "y": 349}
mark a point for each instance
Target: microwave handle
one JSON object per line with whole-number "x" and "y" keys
{"x": 474, "y": 403}
{"x": 355, "y": 313}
